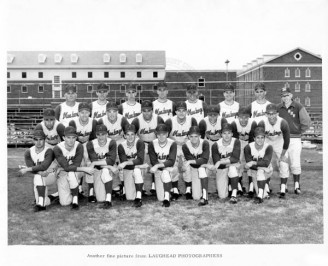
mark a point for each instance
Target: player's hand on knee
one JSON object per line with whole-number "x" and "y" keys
{"x": 153, "y": 169}
{"x": 43, "y": 173}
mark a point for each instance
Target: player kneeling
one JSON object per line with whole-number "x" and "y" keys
{"x": 162, "y": 153}
{"x": 131, "y": 153}
{"x": 197, "y": 152}
{"x": 258, "y": 157}
{"x": 38, "y": 160}
{"x": 102, "y": 154}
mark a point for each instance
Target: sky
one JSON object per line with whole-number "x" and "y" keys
{"x": 200, "y": 34}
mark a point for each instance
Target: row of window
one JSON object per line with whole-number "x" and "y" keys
{"x": 298, "y": 73}
{"x": 90, "y": 74}
{"x": 298, "y": 87}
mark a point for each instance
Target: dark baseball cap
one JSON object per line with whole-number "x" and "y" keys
{"x": 229, "y": 87}
{"x": 101, "y": 128}
{"x": 84, "y": 106}
{"x": 194, "y": 130}
{"x": 70, "y": 131}
{"x": 70, "y": 88}
{"x": 102, "y": 87}
{"x": 259, "y": 131}
{"x": 130, "y": 128}
{"x": 271, "y": 107}
{"x": 39, "y": 134}
{"x": 147, "y": 105}
{"x": 244, "y": 111}
{"x": 181, "y": 105}
{"x": 111, "y": 105}
{"x": 213, "y": 109}
{"x": 161, "y": 128}
{"x": 49, "y": 113}
{"x": 226, "y": 127}
{"x": 285, "y": 90}
{"x": 132, "y": 87}
{"x": 191, "y": 87}
{"x": 260, "y": 86}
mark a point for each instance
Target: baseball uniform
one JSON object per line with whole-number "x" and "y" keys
{"x": 98, "y": 110}
{"x": 164, "y": 109}
{"x": 65, "y": 113}
{"x": 53, "y": 135}
{"x": 229, "y": 112}
{"x": 130, "y": 111}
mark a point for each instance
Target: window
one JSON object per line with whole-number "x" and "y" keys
{"x": 122, "y": 88}
{"x": 139, "y": 88}
{"x": 201, "y": 82}
{"x": 89, "y": 88}
{"x": 138, "y": 58}
{"x": 40, "y": 89}
{"x": 307, "y": 101}
{"x": 122, "y": 58}
{"x": 308, "y": 73}
{"x": 89, "y": 75}
{"x": 40, "y": 75}
{"x": 8, "y": 75}
{"x": 155, "y": 74}
{"x": 287, "y": 85}
{"x": 297, "y": 73}
{"x": 24, "y": 89}
{"x": 154, "y": 88}
{"x": 58, "y": 58}
{"x": 201, "y": 97}
{"x": 106, "y": 58}
{"x": 74, "y": 75}
{"x": 106, "y": 75}
{"x": 287, "y": 73}
{"x": 8, "y": 89}
{"x": 24, "y": 75}
{"x": 138, "y": 74}
{"x": 297, "y": 99}
{"x": 74, "y": 58}
{"x": 308, "y": 87}
{"x": 297, "y": 87}
{"x": 139, "y": 101}
{"x": 41, "y": 58}
{"x": 298, "y": 56}
{"x": 56, "y": 94}
{"x": 122, "y": 74}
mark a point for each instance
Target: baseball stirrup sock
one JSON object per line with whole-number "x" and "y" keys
{"x": 139, "y": 190}
{"x": 153, "y": 181}
{"x": 251, "y": 185}
{"x": 109, "y": 197}
{"x": 109, "y": 187}
{"x": 42, "y": 193}
{"x": 261, "y": 185}
{"x": 204, "y": 183}
{"x": 167, "y": 187}
{"x": 296, "y": 181}
{"x": 123, "y": 188}
{"x": 175, "y": 187}
{"x": 188, "y": 187}
{"x": 80, "y": 185}
{"x": 90, "y": 190}
{"x": 283, "y": 185}
{"x": 75, "y": 193}
{"x": 234, "y": 186}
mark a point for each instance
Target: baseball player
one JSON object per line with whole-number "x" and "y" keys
{"x": 69, "y": 155}
{"x": 52, "y": 129}
{"x": 299, "y": 121}
{"x": 131, "y": 153}
{"x": 277, "y": 134}
{"x": 39, "y": 161}
{"x": 229, "y": 107}
{"x": 162, "y": 153}
{"x": 243, "y": 128}
{"x": 226, "y": 155}
{"x": 145, "y": 125}
{"x": 195, "y": 106}
{"x": 130, "y": 108}
{"x": 98, "y": 107}
{"x": 102, "y": 153}
{"x": 258, "y": 107}
{"x": 178, "y": 127}
{"x": 67, "y": 110}
{"x": 197, "y": 152}
{"x": 163, "y": 107}
{"x": 258, "y": 155}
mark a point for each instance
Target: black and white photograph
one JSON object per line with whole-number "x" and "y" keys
{"x": 173, "y": 132}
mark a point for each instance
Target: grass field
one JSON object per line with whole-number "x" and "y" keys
{"x": 295, "y": 220}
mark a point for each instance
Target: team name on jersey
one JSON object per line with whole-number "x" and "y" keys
{"x": 176, "y": 133}
{"x": 69, "y": 155}
{"x": 130, "y": 150}
{"x": 257, "y": 113}
{"x": 272, "y": 133}
{"x": 195, "y": 111}
{"x": 196, "y": 152}
{"x": 258, "y": 155}
{"x": 99, "y": 114}
{"x": 38, "y": 158}
{"x": 231, "y": 114}
{"x": 163, "y": 111}
{"x": 162, "y": 152}
{"x": 67, "y": 115}
{"x": 131, "y": 115}
{"x": 114, "y": 132}
{"x": 144, "y": 131}
{"x": 225, "y": 151}
{"x": 101, "y": 151}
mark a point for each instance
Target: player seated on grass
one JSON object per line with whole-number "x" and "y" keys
{"x": 98, "y": 107}
{"x": 52, "y": 129}
{"x": 102, "y": 154}
{"x": 162, "y": 153}
{"x": 258, "y": 157}
{"x": 243, "y": 129}
{"x": 162, "y": 106}
{"x": 39, "y": 161}
{"x": 69, "y": 155}
{"x": 196, "y": 151}
{"x": 226, "y": 154}
{"x": 131, "y": 154}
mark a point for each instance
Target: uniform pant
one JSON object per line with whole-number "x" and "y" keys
{"x": 65, "y": 182}
{"x": 164, "y": 176}
{"x": 100, "y": 178}
{"x": 43, "y": 181}
{"x": 222, "y": 179}
{"x": 283, "y": 167}
{"x": 132, "y": 177}
{"x": 194, "y": 175}
{"x": 294, "y": 154}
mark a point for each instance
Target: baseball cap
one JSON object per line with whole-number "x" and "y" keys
{"x": 226, "y": 127}
{"x": 130, "y": 128}
{"x": 191, "y": 87}
{"x": 244, "y": 111}
{"x": 49, "y": 113}
{"x": 101, "y": 128}
{"x": 132, "y": 87}
{"x": 146, "y": 105}
{"x": 229, "y": 87}
{"x": 285, "y": 90}
{"x": 259, "y": 131}
{"x": 194, "y": 130}
{"x": 162, "y": 85}
{"x": 181, "y": 105}
{"x": 70, "y": 88}
{"x": 84, "y": 106}
{"x": 39, "y": 134}
{"x": 102, "y": 87}
{"x": 213, "y": 109}
{"x": 260, "y": 86}
{"x": 111, "y": 105}
{"x": 271, "y": 107}
{"x": 70, "y": 131}
{"x": 161, "y": 128}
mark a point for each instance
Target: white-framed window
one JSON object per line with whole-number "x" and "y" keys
{"x": 58, "y": 58}
{"x": 74, "y": 58}
{"x": 139, "y": 88}
{"x": 155, "y": 88}
{"x": 122, "y": 58}
{"x": 57, "y": 94}
{"x": 138, "y": 58}
{"x": 308, "y": 73}
{"x": 122, "y": 74}
{"x": 24, "y": 89}
{"x": 287, "y": 73}
{"x": 308, "y": 87}
{"x": 40, "y": 75}
{"x": 8, "y": 89}
{"x": 201, "y": 82}
{"x": 90, "y": 75}
{"x": 287, "y": 85}
{"x": 41, "y": 58}
{"x": 106, "y": 58}
{"x": 297, "y": 56}
{"x": 297, "y": 73}
{"x": 139, "y": 75}
{"x": 297, "y": 99}
{"x": 10, "y": 58}
{"x": 89, "y": 88}
{"x": 297, "y": 87}
{"x": 155, "y": 74}
{"x": 24, "y": 75}
{"x": 40, "y": 89}
{"x": 73, "y": 75}
{"x": 122, "y": 88}
{"x": 307, "y": 101}
{"x": 106, "y": 74}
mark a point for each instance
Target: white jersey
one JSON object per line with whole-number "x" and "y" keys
{"x": 273, "y": 132}
{"x": 67, "y": 113}
{"x": 83, "y": 130}
{"x": 162, "y": 152}
{"x": 195, "y": 151}
{"x": 225, "y": 151}
{"x": 258, "y": 110}
{"x": 147, "y": 128}
{"x": 229, "y": 112}
{"x": 164, "y": 110}
{"x": 195, "y": 110}
{"x": 131, "y": 111}
{"x": 38, "y": 158}
{"x": 244, "y": 131}
{"x": 213, "y": 129}
{"x": 179, "y": 131}
{"x": 114, "y": 130}
{"x": 98, "y": 110}
{"x": 51, "y": 134}
{"x": 101, "y": 151}
{"x": 258, "y": 155}
{"x": 131, "y": 152}
{"x": 69, "y": 155}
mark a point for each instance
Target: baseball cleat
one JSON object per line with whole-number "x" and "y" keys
{"x": 258, "y": 200}
{"x": 137, "y": 203}
{"x": 282, "y": 195}
{"x": 144, "y": 193}
{"x": 53, "y": 199}
{"x": 240, "y": 193}
{"x": 297, "y": 191}
{"x": 188, "y": 196}
{"x": 38, "y": 208}
{"x": 233, "y": 200}
{"x": 107, "y": 205}
{"x": 166, "y": 203}
{"x": 92, "y": 199}
{"x": 174, "y": 196}
{"x": 203, "y": 202}
{"x": 75, "y": 206}
{"x": 250, "y": 195}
